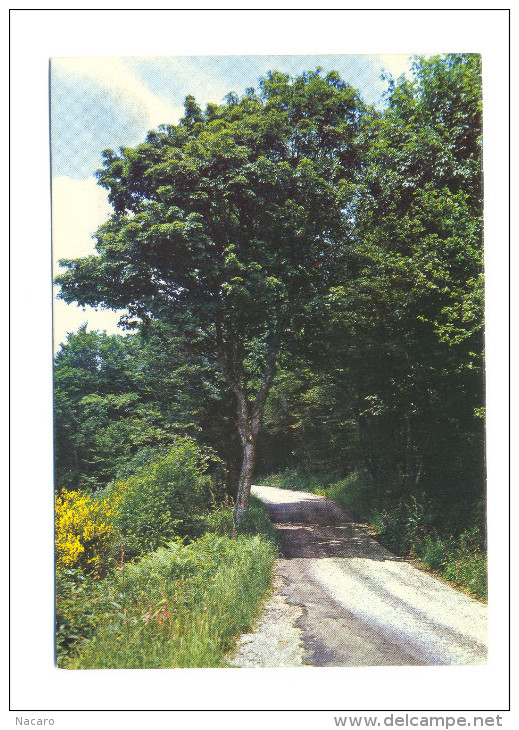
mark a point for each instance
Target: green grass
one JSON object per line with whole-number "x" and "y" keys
{"x": 180, "y": 606}
{"x": 415, "y": 526}
{"x": 296, "y": 481}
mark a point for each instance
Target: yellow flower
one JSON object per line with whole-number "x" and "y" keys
{"x": 84, "y": 529}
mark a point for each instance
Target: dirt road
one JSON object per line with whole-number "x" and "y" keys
{"x": 341, "y": 599}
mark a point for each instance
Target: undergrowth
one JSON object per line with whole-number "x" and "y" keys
{"x": 179, "y": 606}
{"x": 151, "y": 572}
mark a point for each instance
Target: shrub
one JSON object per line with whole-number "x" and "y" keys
{"x": 76, "y": 606}
{"x": 295, "y": 480}
{"x": 460, "y": 559}
{"x": 84, "y": 530}
{"x": 165, "y": 499}
{"x": 220, "y": 521}
{"x": 467, "y": 564}
{"x": 405, "y": 523}
{"x": 433, "y": 552}
{"x": 390, "y": 524}
{"x": 355, "y": 492}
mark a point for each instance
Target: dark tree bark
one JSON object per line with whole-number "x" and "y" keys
{"x": 249, "y": 415}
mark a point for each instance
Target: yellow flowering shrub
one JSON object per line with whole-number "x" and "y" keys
{"x": 84, "y": 529}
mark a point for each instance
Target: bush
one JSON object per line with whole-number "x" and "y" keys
{"x": 355, "y": 493}
{"x": 257, "y": 521}
{"x": 77, "y": 610}
{"x": 85, "y": 530}
{"x": 295, "y": 480}
{"x": 165, "y": 499}
{"x": 467, "y": 563}
{"x": 433, "y": 552}
{"x": 460, "y": 559}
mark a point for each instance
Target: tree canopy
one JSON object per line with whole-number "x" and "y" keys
{"x": 227, "y": 230}
{"x": 296, "y": 257}
{"x": 395, "y": 385}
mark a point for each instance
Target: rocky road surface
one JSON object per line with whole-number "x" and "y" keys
{"x": 341, "y": 599}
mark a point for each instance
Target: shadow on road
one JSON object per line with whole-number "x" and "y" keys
{"x": 329, "y": 541}
{"x": 320, "y": 528}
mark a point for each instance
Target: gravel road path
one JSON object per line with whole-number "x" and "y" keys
{"x": 341, "y": 599}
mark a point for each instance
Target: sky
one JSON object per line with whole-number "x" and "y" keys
{"x": 108, "y": 102}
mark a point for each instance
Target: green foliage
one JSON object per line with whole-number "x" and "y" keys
{"x": 389, "y": 374}
{"x": 297, "y": 221}
{"x": 458, "y": 554}
{"x": 414, "y": 310}
{"x": 76, "y": 618}
{"x": 220, "y": 521}
{"x": 227, "y": 228}
{"x": 418, "y": 526}
{"x": 355, "y": 492}
{"x": 467, "y": 565}
{"x": 121, "y": 401}
{"x": 296, "y": 229}
{"x": 180, "y": 606}
{"x": 432, "y": 552}
{"x": 461, "y": 560}
{"x": 105, "y": 410}
{"x": 166, "y": 498}
{"x": 294, "y": 480}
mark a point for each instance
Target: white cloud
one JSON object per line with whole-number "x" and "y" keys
{"x": 112, "y": 75}
{"x": 396, "y": 63}
{"x": 78, "y": 208}
{"x": 69, "y": 317}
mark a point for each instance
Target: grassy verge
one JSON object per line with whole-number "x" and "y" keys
{"x": 180, "y": 606}
{"x": 415, "y": 526}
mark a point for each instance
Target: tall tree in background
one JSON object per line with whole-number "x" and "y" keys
{"x": 227, "y": 231}
{"x": 401, "y": 349}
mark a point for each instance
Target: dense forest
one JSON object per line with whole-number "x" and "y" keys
{"x": 303, "y": 276}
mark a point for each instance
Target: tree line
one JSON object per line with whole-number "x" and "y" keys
{"x": 303, "y": 280}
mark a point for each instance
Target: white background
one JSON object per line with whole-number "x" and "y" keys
{"x": 38, "y": 689}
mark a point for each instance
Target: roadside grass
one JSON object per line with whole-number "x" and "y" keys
{"x": 296, "y": 481}
{"x": 182, "y": 605}
{"x": 415, "y": 526}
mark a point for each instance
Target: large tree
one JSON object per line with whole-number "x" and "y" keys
{"x": 404, "y": 353}
{"x": 227, "y": 231}
{"x": 419, "y": 297}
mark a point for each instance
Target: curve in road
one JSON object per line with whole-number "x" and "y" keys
{"x": 342, "y": 599}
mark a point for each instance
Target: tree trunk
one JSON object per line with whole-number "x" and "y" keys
{"x": 230, "y": 357}
{"x": 245, "y": 480}
{"x": 248, "y": 427}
